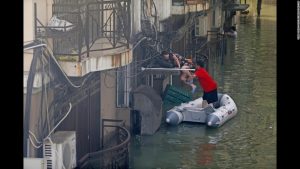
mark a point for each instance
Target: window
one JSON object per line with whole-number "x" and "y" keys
{"x": 123, "y": 86}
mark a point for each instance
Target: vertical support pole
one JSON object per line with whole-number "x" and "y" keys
{"x": 102, "y": 18}
{"x": 98, "y": 18}
{"x": 87, "y": 32}
{"x": 102, "y": 135}
{"x": 171, "y": 80}
{"x": 151, "y": 80}
{"x": 258, "y": 7}
{"x": 128, "y": 20}
{"x": 114, "y": 26}
{"x": 35, "y": 21}
{"x": 79, "y": 35}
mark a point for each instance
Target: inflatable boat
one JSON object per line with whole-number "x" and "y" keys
{"x": 224, "y": 109}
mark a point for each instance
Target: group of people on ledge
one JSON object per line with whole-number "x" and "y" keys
{"x": 208, "y": 84}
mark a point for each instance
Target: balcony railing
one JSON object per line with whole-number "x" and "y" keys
{"x": 187, "y": 2}
{"x": 95, "y": 26}
{"x": 114, "y": 155}
{"x": 109, "y": 20}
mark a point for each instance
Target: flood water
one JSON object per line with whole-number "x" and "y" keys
{"x": 248, "y": 140}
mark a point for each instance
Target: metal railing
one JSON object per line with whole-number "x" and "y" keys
{"x": 91, "y": 21}
{"x": 65, "y": 42}
{"x": 110, "y": 20}
{"x": 114, "y": 156}
{"x": 218, "y": 43}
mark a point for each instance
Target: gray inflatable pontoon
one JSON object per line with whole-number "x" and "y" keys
{"x": 225, "y": 109}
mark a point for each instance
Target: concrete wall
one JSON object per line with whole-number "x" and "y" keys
{"x": 124, "y": 114}
{"x": 108, "y": 94}
{"x": 209, "y": 20}
{"x": 98, "y": 61}
{"x": 44, "y": 10}
{"x": 163, "y": 8}
{"x": 108, "y": 102}
{"x": 27, "y": 60}
{"x": 109, "y": 109}
{"x": 44, "y": 13}
{"x": 136, "y": 16}
{"x": 217, "y": 8}
{"x": 218, "y": 16}
{"x": 28, "y": 29}
{"x": 28, "y": 21}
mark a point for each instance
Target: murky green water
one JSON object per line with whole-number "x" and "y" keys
{"x": 248, "y": 141}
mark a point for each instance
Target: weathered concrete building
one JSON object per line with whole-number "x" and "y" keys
{"x": 92, "y": 55}
{"x": 89, "y": 42}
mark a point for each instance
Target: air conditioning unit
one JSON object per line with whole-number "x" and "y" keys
{"x": 33, "y": 163}
{"x": 60, "y": 151}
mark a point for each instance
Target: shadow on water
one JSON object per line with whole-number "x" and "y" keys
{"x": 248, "y": 75}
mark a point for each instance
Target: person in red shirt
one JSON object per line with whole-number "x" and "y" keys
{"x": 209, "y": 86}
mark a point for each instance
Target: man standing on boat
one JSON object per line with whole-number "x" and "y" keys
{"x": 208, "y": 84}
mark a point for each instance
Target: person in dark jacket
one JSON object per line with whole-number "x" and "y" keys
{"x": 174, "y": 60}
{"x": 167, "y": 60}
